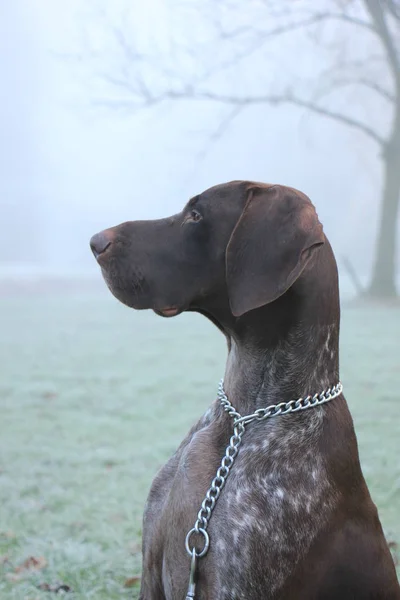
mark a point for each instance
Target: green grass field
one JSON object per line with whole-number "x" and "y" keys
{"x": 94, "y": 397}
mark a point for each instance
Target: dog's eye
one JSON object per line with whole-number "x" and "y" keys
{"x": 195, "y": 216}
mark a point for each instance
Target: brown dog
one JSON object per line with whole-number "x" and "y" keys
{"x": 295, "y": 519}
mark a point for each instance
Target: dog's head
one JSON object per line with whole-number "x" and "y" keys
{"x": 244, "y": 243}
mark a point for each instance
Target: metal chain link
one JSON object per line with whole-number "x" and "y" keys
{"x": 239, "y": 426}
{"x": 212, "y": 495}
{"x": 284, "y": 408}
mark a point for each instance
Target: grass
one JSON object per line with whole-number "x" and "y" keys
{"x": 94, "y": 397}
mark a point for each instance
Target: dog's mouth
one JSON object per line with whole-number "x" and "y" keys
{"x": 170, "y": 311}
{"x": 134, "y": 291}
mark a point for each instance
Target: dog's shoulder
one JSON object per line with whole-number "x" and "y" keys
{"x": 186, "y": 456}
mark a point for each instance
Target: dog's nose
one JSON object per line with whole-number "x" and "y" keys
{"x": 100, "y": 242}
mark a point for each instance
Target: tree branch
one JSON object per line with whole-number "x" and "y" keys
{"x": 347, "y": 19}
{"x": 218, "y": 133}
{"x": 339, "y": 82}
{"x": 290, "y": 99}
{"x": 394, "y": 9}
{"x": 336, "y": 116}
{"x": 377, "y": 88}
{"x": 375, "y": 10}
{"x": 260, "y": 38}
{"x": 142, "y": 92}
{"x": 241, "y": 102}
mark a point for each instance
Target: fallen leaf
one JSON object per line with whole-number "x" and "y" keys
{"x": 49, "y": 395}
{"x": 117, "y": 518}
{"x": 131, "y": 582}
{"x": 78, "y": 525}
{"x": 56, "y": 588}
{"x": 135, "y": 548}
{"x": 13, "y": 577}
{"x": 32, "y": 564}
{"x": 9, "y": 535}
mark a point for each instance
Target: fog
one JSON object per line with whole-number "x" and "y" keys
{"x": 72, "y": 164}
{"x": 116, "y": 110}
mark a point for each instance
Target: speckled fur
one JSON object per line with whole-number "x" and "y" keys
{"x": 295, "y": 520}
{"x": 272, "y": 526}
{"x": 278, "y": 496}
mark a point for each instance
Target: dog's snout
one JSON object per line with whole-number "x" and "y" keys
{"x": 100, "y": 242}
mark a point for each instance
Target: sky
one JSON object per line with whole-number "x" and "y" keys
{"x": 70, "y": 166}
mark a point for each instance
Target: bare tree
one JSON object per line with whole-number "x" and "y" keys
{"x": 359, "y": 41}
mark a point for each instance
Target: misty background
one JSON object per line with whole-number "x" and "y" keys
{"x": 80, "y": 154}
{"x": 115, "y": 110}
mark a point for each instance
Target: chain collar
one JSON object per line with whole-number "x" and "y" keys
{"x": 283, "y": 408}
{"x": 239, "y": 426}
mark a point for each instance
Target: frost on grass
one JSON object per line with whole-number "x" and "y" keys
{"x": 82, "y": 386}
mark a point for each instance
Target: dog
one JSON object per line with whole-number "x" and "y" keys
{"x": 294, "y": 520}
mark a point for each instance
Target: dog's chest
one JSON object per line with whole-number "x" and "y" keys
{"x": 272, "y": 506}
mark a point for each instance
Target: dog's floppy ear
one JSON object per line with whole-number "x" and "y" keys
{"x": 270, "y": 246}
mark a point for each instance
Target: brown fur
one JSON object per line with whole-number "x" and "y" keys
{"x": 295, "y": 520}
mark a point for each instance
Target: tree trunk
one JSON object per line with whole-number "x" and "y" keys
{"x": 383, "y": 283}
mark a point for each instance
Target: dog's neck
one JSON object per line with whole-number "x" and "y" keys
{"x": 287, "y": 349}
{"x": 305, "y": 362}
